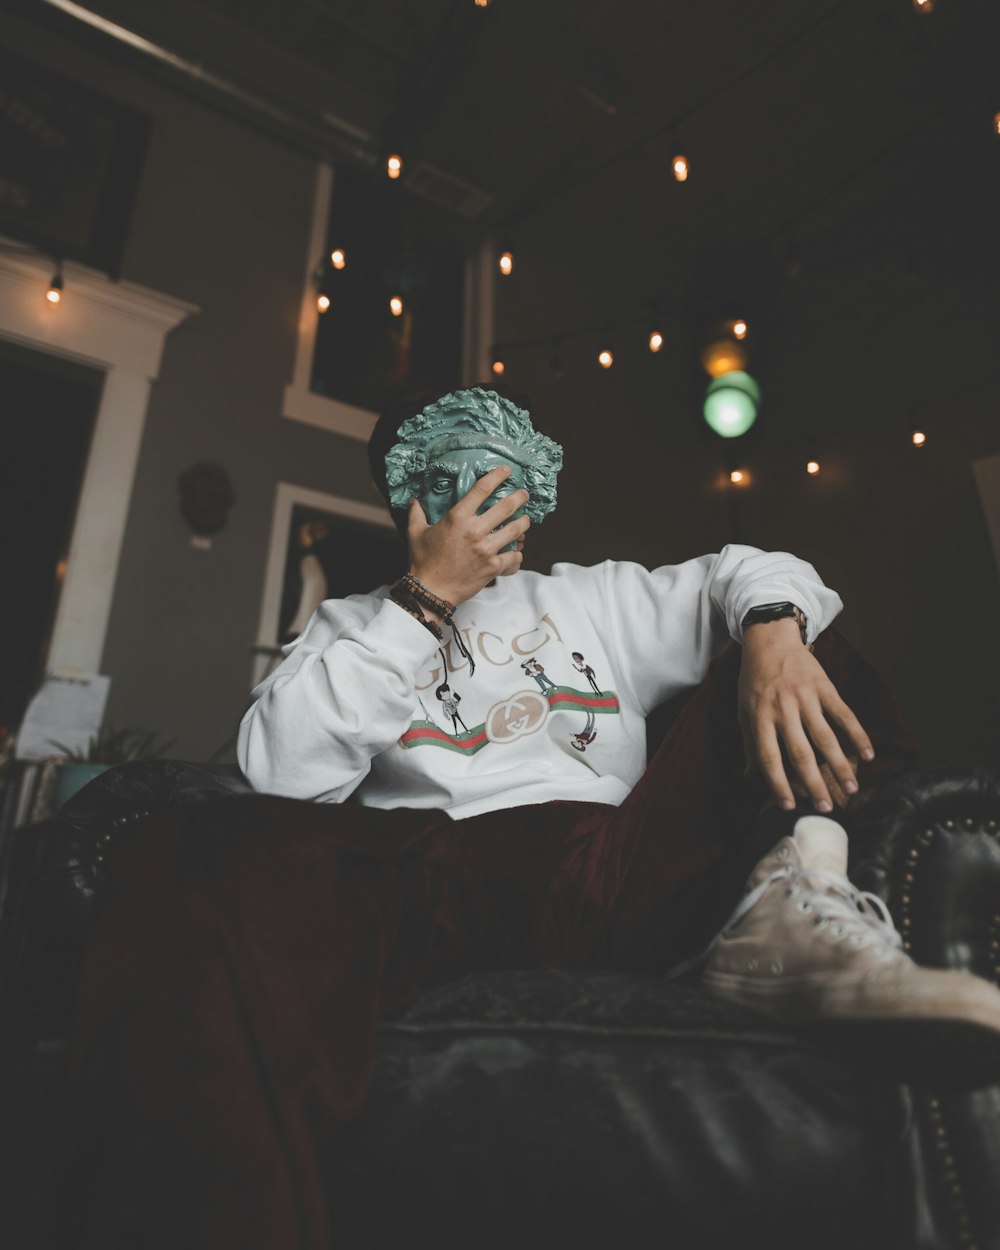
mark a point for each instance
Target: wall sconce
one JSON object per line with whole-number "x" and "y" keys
{"x": 206, "y": 496}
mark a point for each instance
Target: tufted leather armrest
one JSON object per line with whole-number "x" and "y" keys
{"x": 50, "y": 879}
{"x": 929, "y": 845}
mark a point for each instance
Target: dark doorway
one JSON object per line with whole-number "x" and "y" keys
{"x": 47, "y": 411}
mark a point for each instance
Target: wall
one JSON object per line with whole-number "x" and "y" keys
{"x": 222, "y": 220}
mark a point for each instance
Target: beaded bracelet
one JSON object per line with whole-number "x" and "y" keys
{"x": 414, "y": 586}
{"x": 409, "y": 604}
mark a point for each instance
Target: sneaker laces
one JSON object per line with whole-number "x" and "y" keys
{"x": 841, "y": 909}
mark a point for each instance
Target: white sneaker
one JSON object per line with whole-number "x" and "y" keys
{"x": 807, "y": 948}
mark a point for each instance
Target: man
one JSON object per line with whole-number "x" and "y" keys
{"x": 464, "y": 464}
{"x": 472, "y": 474}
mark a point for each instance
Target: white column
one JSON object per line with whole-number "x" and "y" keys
{"x": 99, "y": 531}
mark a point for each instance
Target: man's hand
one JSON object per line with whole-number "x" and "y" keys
{"x": 787, "y": 701}
{"x": 461, "y": 554}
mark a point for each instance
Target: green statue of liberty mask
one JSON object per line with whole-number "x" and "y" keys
{"x": 447, "y": 447}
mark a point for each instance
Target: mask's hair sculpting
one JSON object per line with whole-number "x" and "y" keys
{"x": 474, "y": 418}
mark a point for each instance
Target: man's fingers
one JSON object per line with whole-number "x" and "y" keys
{"x": 849, "y": 723}
{"x": 827, "y": 743}
{"x": 771, "y": 763}
{"x": 473, "y": 500}
{"x": 416, "y": 521}
{"x": 510, "y": 562}
{"x": 803, "y": 760}
{"x": 509, "y": 533}
{"x": 498, "y": 512}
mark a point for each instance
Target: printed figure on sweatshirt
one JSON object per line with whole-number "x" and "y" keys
{"x": 588, "y": 672}
{"x": 534, "y": 669}
{"x": 582, "y": 740}
{"x": 450, "y": 699}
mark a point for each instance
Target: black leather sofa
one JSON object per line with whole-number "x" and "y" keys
{"x": 556, "y": 1108}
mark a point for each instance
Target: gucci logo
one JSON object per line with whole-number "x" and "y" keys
{"x": 521, "y": 714}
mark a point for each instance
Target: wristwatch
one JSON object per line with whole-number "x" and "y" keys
{"x": 776, "y": 612}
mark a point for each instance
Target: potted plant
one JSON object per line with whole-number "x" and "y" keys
{"x": 104, "y": 750}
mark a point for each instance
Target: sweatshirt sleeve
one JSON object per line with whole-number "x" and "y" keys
{"x": 343, "y": 694}
{"x": 667, "y": 625}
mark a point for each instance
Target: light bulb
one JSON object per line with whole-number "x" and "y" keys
{"x": 924, "y": 6}
{"x": 394, "y": 166}
{"x": 680, "y": 167}
{"x": 605, "y": 359}
{"x": 812, "y": 467}
{"x": 322, "y": 303}
{"x": 482, "y": 4}
{"x": 498, "y": 367}
{"x": 396, "y": 306}
{"x": 737, "y": 476}
{"x": 506, "y": 264}
{"x": 723, "y": 356}
{"x": 739, "y": 330}
{"x": 655, "y": 341}
{"x": 54, "y": 293}
{"x": 731, "y": 404}
{"x": 337, "y": 258}
{"x": 919, "y": 438}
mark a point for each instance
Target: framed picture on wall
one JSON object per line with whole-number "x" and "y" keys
{"x": 322, "y": 547}
{"x": 70, "y": 160}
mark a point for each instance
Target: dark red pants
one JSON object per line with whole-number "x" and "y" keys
{"x": 248, "y": 948}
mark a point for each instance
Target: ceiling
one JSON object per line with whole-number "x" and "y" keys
{"x": 814, "y": 128}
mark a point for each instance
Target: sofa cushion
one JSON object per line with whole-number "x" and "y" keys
{"x": 601, "y": 1108}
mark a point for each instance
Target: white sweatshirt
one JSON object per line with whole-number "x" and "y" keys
{"x": 357, "y": 703}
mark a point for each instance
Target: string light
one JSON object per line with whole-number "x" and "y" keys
{"x": 394, "y": 166}
{"x": 655, "y": 340}
{"x": 918, "y": 438}
{"x": 396, "y": 306}
{"x": 679, "y": 164}
{"x": 482, "y": 4}
{"x": 605, "y": 358}
{"x": 498, "y": 366}
{"x": 723, "y": 356}
{"x": 506, "y": 263}
{"x": 812, "y": 467}
{"x": 322, "y": 303}
{"x": 54, "y": 293}
{"x": 337, "y": 258}
{"x": 739, "y": 330}
{"x": 739, "y": 477}
{"x": 924, "y": 6}
{"x": 731, "y": 404}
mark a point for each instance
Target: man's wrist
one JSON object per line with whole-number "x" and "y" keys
{"x": 776, "y": 613}
{"x": 436, "y": 589}
{"x": 768, "y": 631}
